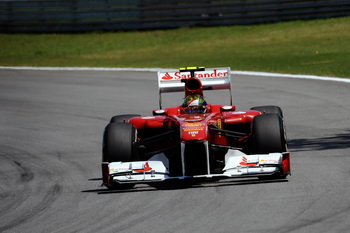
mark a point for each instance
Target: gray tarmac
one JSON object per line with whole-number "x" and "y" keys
{"x": 51, "y": 126}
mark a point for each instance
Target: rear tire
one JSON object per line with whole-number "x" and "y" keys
{"x": 269, "y": 109}
{"x": 269, "y": 134}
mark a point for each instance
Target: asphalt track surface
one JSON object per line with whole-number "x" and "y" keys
{"x": 50, "y": 153}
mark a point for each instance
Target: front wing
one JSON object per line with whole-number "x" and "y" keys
{"x": 237, "y": 164}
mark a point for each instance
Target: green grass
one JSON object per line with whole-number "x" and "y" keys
{"x": 317, "y": 47}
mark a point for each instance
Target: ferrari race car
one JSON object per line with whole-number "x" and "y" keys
{"x": 195, "y": 139}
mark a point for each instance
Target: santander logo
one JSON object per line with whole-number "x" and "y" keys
{"x": 245, "y": 162}
{"x": 167, "y": 76}
{"x": 145, "y": 169}
{"x": 201, "y": 74}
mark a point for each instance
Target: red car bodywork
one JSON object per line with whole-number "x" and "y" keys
{"x": 198, "y": 144}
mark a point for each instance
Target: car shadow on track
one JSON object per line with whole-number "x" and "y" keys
{"x": 183, "y": 184}
{"x": 337, "y": 141}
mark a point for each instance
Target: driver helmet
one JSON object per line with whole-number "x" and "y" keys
{"x": 194, "y": 104}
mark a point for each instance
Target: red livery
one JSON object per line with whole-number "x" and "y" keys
{"x": 195, "y": 139}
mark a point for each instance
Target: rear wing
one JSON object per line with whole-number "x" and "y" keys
{"x": 211, "y": 79}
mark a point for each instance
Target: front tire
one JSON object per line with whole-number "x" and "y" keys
{"x": 269, "y": 134}
{"x": 269, "y": 109}
{"x": 123, "y": 118}
{"x": 119, "y": 143}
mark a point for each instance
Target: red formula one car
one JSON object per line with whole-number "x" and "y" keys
{"x": 195, "y": 139}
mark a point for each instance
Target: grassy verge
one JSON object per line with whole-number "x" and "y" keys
{"x": 318, "y": 47}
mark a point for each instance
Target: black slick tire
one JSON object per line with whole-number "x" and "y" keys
{"x": 118, "y": 145}
{"x": 269, "y": 109}
{"x": 118, "y": 142}
{"x": 269, "y": 134}
{"x": 122, "y": 118}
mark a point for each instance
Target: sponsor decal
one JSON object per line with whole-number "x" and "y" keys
{"x": 167, "y": 76}
{"x": 193, "y": 129}
{"x": 245, "y": 162}
{"x": 219, "y": 124}
{"x": 121, "y": 169}
{"x": 273, "y": 161}
{"x": 193, "y": 133}
{"x": 189, "y": 125}
{"x": 146, "y": 168}
{"x": 204, "y": 74}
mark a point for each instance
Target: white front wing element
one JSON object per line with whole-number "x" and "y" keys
{"x": 237, "y": 163}
{"x": 155, "y": 169}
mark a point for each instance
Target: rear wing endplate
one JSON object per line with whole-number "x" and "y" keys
{"x": 211, "y": 78}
